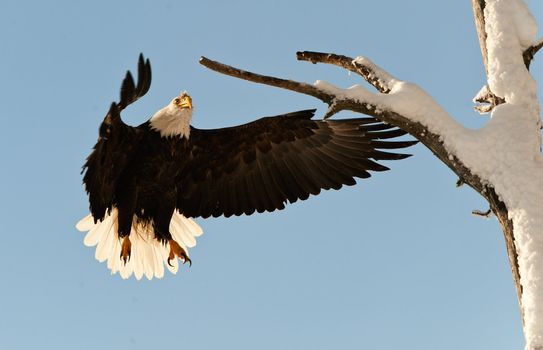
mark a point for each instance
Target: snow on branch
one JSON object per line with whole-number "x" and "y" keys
{"x": 486, "y": 101}
{"x": 375, "y": 76}
{"x": 398, "y": 102}
{"x": 474, "y": 156}
{"x": 478, "y": 7}
{"x": 489, "y": 100}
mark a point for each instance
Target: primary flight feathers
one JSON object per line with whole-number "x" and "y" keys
{"x": 145, "y": 174}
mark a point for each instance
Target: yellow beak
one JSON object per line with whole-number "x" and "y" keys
{"x": 185, "y": 101}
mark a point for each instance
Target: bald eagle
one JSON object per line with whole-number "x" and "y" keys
{"x": 146, "y": 183}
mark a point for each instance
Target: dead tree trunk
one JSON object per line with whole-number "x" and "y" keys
{"x": 432, "y": 126}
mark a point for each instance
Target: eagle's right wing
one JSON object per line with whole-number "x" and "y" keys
{"x": 116, "y": 145}
{"x": 262, "y": 165}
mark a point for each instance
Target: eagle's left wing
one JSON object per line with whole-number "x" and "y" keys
{"x": 261, "y": 165}
{"x": 116, "y": 145}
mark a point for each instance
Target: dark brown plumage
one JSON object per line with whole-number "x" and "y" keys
{"x": 278, "y": 159}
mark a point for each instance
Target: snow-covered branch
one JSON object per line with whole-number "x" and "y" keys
{"x": 518, "y": 169}
{"x": 372, "y": 74}
{"x": 358, "y": 99}
{"x": 486, "y": 98}
{"x": 502, "y": 161}
{"x": 402, "y": 104}
{"x": 397, "y": 102}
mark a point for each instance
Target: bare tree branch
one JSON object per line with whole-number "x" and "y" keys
{"x": 485, "y": 214}
{"x": 303, "y": 88}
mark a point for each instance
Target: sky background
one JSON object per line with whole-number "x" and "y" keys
{"x": 396, "y": 261}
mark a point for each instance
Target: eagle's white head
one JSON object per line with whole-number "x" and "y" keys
{"x": 174, "y": 119}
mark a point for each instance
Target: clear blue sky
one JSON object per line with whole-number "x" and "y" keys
{"x": 395, "y": 262}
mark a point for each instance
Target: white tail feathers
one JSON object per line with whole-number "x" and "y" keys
{"x": 148, "y": 256}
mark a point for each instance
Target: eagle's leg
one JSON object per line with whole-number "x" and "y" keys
{"x": 126, "y": 208}
{"x": 161, "y": 224}
{"x": 177, "y": 251}
{"x": 126, "y": 248}
{"x": 125, "y": 225}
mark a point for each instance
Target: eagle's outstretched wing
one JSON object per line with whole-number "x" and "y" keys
{"x": 261, "y": 165}
{"x": 115, "y": 146}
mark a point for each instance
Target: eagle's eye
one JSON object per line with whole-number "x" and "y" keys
{"x": 176, "y": 101}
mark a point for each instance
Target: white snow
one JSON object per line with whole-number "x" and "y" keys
{"x": 505, "y": 153}
{"x": 510, "y": 30}
{"x": 482, "y": 94}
